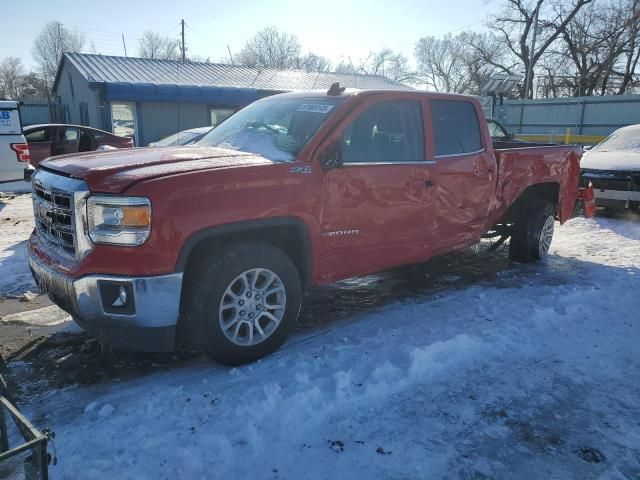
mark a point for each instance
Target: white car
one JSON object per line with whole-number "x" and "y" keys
{"x": 613, "y": 169}
{"x": 14, "y": 150}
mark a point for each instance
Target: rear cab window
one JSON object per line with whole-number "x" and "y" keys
{"x": 456, "y": 128}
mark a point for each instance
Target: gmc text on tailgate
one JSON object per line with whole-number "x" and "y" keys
{"x": 215, "y": 243}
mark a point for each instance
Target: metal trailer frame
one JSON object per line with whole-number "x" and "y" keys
{"x": 30, "y": 440}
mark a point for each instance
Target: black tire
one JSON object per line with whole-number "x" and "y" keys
{"x": 208, "y": 286}
{"x": 527, "y": 234}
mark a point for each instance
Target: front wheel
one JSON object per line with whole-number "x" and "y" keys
{"x": 244, "y": 304}
{"x": 532, "y": 232}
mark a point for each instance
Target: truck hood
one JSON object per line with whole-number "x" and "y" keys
{"x": 114, "y": 171}
{"x": 628, "y": 161}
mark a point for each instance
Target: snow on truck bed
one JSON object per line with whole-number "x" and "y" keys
{"x": 534, "y": 377}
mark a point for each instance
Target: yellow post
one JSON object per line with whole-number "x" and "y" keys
{"x": 567, "y": 136}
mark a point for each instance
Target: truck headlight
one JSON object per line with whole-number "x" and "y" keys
{"x": 119, "y": 220}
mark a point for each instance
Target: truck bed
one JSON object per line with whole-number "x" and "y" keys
{"x": 523, "y": 166}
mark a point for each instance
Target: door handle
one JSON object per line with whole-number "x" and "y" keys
{"x": 479, "y": 170}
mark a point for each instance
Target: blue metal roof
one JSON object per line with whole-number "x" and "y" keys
{"x": 128, "y": 78}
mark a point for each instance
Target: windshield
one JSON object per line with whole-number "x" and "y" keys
{"x": 623, "y": 139}
{"x": 179, "y": 138}
{"x": 275, "y": 128}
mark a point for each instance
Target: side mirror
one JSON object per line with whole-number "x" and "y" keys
{"x": 331, "y": 157}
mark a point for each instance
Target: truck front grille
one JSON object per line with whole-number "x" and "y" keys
{"x": 53, "y": 208}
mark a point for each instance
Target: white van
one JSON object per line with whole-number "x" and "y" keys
{"x": 14, "y": 150}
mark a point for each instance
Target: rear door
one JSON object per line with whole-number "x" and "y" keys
{"x": 376, "y": 206}
{"x": 465, "y": 172}
{"x": 40, "y": 142}
{"x": 67, "y": 140}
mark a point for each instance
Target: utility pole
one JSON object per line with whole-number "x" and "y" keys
{"x": 529, "y": 76}
{"x": 183, "y": 49}
{"x": 230, "y": 56}
{"x": 125, "y": 46}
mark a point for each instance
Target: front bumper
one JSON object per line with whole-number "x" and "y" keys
{"x": 150, "y": 325}
{"x": 613, "y": 188}
{"x": 617, "y": 198}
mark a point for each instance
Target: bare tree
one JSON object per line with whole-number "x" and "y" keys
{"x": 631, "y": 55}
{"x": 154, "y": 46}
{"x": 460, "y": 63}
{"x": 593, "y": 43}
{"x": 596, "y": 53}
{"x": 16, "y": 83}
{"x": 52, "y": 41}
{"x": 270, "y": 48}
{"x": 386, "y": 62}
{"x": 393, "y": 65}
{"x": 440, "y": 63}
{"x": 11, "y": 77}
{"x": 515, "y": 29}
{"x": 314, "y": 63}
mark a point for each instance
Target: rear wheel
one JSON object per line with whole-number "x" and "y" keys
{"x": 244, "y": 303}
{"x": 532, "y": 232}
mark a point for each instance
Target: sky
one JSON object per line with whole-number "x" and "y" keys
{"x": 334, "y": 29}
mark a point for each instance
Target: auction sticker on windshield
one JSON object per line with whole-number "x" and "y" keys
{"x": 315, "y": 108}
{"x": 10, "y": 122}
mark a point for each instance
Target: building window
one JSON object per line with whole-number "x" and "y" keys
{"x": 123, "y": 120}
{"x": 218, "y": 115}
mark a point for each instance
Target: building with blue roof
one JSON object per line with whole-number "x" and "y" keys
{"x": 151, "y": 99}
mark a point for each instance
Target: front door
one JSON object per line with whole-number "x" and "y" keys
{"x": 40, "y": 142}
{"x": 376, "y": 206}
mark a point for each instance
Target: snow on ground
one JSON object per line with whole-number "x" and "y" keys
{"x": 538, "y": 379}
{"x": 16, "y": 224}
{"x": 15, "y": 187}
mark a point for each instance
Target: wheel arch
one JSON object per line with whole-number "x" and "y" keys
{"x": 549, "y": 191}
{"x": 289, "y": 234}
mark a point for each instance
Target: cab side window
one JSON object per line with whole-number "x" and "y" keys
{"x": 456, "y": 128}
{"x": 389, "y": 131}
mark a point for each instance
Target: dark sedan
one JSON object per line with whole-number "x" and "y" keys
{"x": 48, "y": 140}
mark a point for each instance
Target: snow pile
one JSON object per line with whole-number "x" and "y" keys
{"x": 16, "y": 224}
{"x": 537, "y": 380}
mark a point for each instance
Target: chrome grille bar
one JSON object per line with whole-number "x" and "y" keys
{"x": 54, "y": 197}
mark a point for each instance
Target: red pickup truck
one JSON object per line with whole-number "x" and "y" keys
{"x": 216, "y": 242}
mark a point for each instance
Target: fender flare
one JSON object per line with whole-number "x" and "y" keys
{"x": 245, "y": 226}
